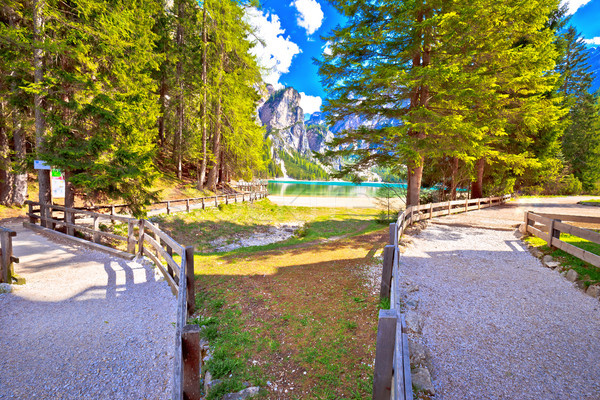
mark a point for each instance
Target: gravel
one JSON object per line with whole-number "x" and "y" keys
{"x": 85, "y": 326}
{"x": 498, "y": 324}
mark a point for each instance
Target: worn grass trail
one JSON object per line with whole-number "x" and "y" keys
{"x": 296, "y": 318}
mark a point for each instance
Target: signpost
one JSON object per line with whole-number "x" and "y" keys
{"x": 39, "y": 164}
{"x": 57, "y": 182}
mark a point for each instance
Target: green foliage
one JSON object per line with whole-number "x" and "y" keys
{"x": 301, "y": 168}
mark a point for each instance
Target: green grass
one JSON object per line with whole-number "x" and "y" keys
{"x": 588, "y": 273}
{"x": 201, "y": 228}
{"x": 591, "y": 202}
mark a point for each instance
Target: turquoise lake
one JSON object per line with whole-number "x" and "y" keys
{"x": 328, "y": 189}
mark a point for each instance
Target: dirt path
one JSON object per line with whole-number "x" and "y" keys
{"x": 85, "y": 326}
{"x": 497, "y": 323}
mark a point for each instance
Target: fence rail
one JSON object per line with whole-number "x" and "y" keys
{"x": 143, "y": 238}
{"x": 392, "y": 379}
{"x": 6, "y": 255}
{"x": 548, "y": 227}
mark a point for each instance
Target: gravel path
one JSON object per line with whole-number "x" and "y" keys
{"x": 85, "y": 326}
{"x": 497, "y": 323}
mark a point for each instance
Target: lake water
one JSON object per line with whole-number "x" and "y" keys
{"x": 329, "y": 189}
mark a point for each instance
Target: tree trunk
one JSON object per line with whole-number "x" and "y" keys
{"x": 69, "y": 191}
{"x": 477, "y": 185}
{"x": 415, "y": 174}
{"x": 214, "y": 171}
{"x": 202, "y": 173}
{"x": 180, "y": 109}
{"x": 43, "y": 175}
{"x": 6, "y": 178}
{"x": 453, "y": 182}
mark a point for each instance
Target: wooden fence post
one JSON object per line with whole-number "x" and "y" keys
{"x": 203, "y": 203}
{"x": 386, "y": 272}
{"x": 130, "y": 238}
{"x": 553, "y": 232}
{"x": 449, "y": 207}
{"x": 190, "y": 349}
{"x": 479, "y": 204}
{"x": 141, "y": 237}
{"x": 467, "y": 205}
{"x": 393, "y": 234}
{"x": 7, "y": 262}
{"x": 170, "y": 253}
{"x": 69, "y": 220}
{"x": 31, "y": 218}
{"x": 96, "y": 236}
{"x": 226, "y": 199}
{"x": 189, "y": 272}
{"x": 430, "y": 210}
{"x": 216, "y": 201}
{"x": 112, "y": 210}
{"x": 187, "y": 205}
{"x": 384, "y": 355}
{"x": 168, "y": 207}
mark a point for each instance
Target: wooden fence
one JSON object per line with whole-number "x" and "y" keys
{"x": 145, "y": 238}
{"x": 6, "y": 255}
{"x": 549, "y": 227}
{"x": 392, "y": 377}
{"x": 191, "y": 203}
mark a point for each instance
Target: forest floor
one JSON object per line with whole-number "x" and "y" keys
{"x": 298, "y": 317}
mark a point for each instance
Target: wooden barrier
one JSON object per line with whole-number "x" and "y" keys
{"x": 7, "y": 259}
{"x": 392, "y": 377}
{"x": 548, "y": 227}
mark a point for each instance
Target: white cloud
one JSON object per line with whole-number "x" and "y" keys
{"x": 310, "y": 104}
{"x": 276, "y": 52}
{"x": 593, "y": 41}
{"x": 309, "y": 16}
{"x": 327, "y": 48}
{"x": 574, "y": 5}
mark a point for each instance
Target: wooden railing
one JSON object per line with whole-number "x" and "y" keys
{"x": 165, "y": 252}
{"x": 548, "y": 227}
{"x": 191, "y": 203}
{"x": 6, "y": 255}
{"x": 392, "y": 379}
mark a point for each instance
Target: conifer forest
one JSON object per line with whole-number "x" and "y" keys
{"x": 491, "y": 95}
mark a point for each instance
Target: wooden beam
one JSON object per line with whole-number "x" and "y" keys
{"x": 191, "y": 281}
{"x": 386, "y": 272}
{"x": 384, "y": 355}
{"x": 191, "y": 354}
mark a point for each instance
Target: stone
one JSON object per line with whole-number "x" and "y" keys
{"x": 535, "y": 252}
{"x": 547, "y": 259}
{"x": 572, "y": 275}
{"x": 417, "y": 352}
{"x": 243, "y": 394}
{"x": 593, "y": 290}
{"x": 414, "y": 322}
{"x": 421, "y": 380}
{"x": 412, "y": 303}
{"x": 552, "y": 264}
{"x": 209, "y": 382}
{"x": 5, "y": 288}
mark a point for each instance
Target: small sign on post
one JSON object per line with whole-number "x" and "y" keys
{"x": 39, "y": 164}
{"x": 57, "y": 180}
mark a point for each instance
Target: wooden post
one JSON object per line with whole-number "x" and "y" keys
{"x": 69, "y": 220}
{"x": 6, "y": 254}
{"x": 243, "y": 198}
{"x": 190, "y": 349}
{"x": 170, "y": 253}
{"x": 226, "y": 199}
{"x": 467, "y": 205}
{"x": 393, "y": 234}
{"x": 130, "y": 238}
{"x": 189, "y": 276}
{"x": 430, "y": 210}
{"x": 112, "y": 210}
{"x": 203, "y": 203}
{"x": 479, "y": 204}
{"x": 141, "y": 237}
{"x": 187, "y": 205}
{"x": 449, "y": 207}
{"x": 31, "y": 218}
{"x": 96, "y": 236}
{"x": 553, "y": 232}
{"x": 216, "y": 202}
{"x": 384, "y": 355}
{"x": 386, "y": 272}
{"x": 168, "y": 207}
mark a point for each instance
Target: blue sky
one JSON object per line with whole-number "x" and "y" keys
{"x": 292, "y": 30}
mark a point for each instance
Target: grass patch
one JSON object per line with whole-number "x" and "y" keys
{"x": 588, "y": 273}
{"x": 203, "y": 229}
{"x": 301, "y": 318}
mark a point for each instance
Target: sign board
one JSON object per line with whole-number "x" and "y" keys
{"x": 57, "y": 181}
{"x": 39, "y": 164}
